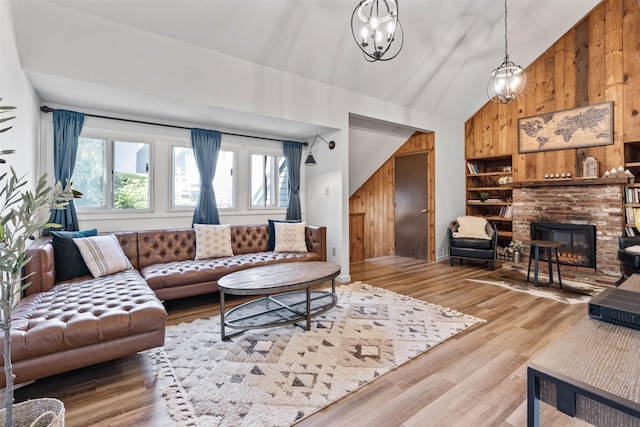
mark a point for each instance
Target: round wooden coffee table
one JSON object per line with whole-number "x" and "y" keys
{"x": 288, "y": 297}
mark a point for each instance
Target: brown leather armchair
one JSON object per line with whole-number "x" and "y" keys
{"x": 471, "y": 248}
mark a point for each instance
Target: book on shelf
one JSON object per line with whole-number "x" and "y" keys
{"x": 630, "y": 215}
{"x": 473, "y": 169}
{"x": 632, "y": 195}
{"x": 631, "y": 231}
{"x": 506, "y": 212}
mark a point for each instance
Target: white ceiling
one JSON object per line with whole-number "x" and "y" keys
{"x": 450, "y": 48}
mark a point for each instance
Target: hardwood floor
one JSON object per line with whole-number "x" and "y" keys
{"x": 477, "y": 378}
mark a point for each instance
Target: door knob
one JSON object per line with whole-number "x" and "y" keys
{"x": 423, "y": 211}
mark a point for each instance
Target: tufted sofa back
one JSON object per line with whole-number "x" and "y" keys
{"x": 144, "y": 248}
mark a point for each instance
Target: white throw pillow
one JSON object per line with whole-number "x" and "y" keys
{"x": 103, "y": 254}
{"x": 213, "y": 241}
{"x": 290, "y": 237}
{"x": 473, "y": 227}
{"x": 635, "y": 249}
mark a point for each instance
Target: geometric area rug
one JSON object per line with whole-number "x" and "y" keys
{"x": 278, "y": 376}
{"x": 572, "y": 292}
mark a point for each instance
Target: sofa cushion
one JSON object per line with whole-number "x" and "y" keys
{"x": 67, "y": 257}
{"x": 212, "y": 241}
{"x": 271, "y": 243}
{"x": 290, "y": 237}
{"x": 103, "y": 255}
{"x": 182, "y": 273}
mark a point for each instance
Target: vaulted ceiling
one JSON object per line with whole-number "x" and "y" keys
{"x": 450, "y": 46}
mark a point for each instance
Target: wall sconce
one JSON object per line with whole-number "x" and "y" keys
{"x": 310, "y": 160}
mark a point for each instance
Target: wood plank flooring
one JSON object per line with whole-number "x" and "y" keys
{"x": 477, "y": 378}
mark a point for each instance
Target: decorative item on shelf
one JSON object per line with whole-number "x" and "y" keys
{"x": 504, "y": 180}
{"x": 590, "y": 168}
{"x": 379, "y": 32}
{"x": 484, "y": 196}
{"x": 516, "y": 247}
{"x": 564, "y": 176}
{"x": 621, "y": 172}
{"x": 310, "y": 160}
{"x": 508, "y": 80}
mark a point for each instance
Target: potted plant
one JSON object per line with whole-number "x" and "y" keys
{"x": 23, "y": 214}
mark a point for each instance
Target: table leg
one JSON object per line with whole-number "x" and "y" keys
{"x": 535, "y": 265}
{"x": 530, "y": 257}
{"x": 308, "y": 309}
{"x": 558, "y": 267}
{"x": 222, "y": 334}
{"x": 550, "y": 262}
{"x": 533, "y": 399}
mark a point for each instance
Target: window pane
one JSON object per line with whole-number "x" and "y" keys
{"x": 186, "y": 178}
{"x": 268, "y": 181}
{"x": 88, "y": 175}
{"x": 283, "y": 177}
{"x": 223, "y": 181}
{"x": 131, "y": 162}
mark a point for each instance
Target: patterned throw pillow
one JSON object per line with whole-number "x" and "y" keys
{"x": 103, "y": 255}
{"x": 271, "y": 241}
{"x": 213, "y": 241}
{"x": 290, "y": 237}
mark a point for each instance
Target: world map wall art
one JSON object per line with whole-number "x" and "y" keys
{"x": 575, "y": 128}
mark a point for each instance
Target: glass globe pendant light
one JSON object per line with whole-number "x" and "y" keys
{"x": 508, "y": 80}
{"x": 376, "y": 29}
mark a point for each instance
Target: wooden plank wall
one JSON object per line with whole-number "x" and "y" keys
{"x": 375, "y": 199}
{"x": 597, "y": 61}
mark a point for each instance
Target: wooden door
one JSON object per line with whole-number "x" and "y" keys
{"x": 411, "y": 214}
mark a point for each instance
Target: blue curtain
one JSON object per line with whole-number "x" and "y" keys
{"x": 293, "y": 158}
{"x": 206, "y": 146}
{"x": 66, "y": 129}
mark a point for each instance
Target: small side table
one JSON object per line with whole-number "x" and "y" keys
{"x": 534, "y": 254}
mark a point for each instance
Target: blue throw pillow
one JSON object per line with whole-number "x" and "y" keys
{"x": 271, "y": 243}
{"x": 67, "y": 257}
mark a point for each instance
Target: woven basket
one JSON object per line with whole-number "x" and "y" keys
{"x": 37, "y": 413}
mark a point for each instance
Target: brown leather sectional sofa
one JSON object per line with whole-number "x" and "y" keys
{"x": 62, "y": 326}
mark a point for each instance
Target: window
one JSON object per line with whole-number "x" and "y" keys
{"x": 269, "y": 185}
{"x": 129, "y": 185}
{"x": 186, "y": 179}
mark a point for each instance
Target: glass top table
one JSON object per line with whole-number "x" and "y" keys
{"x": 287, "y": 295}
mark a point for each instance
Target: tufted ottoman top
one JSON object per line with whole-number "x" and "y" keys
{"x": 76, "y": 314}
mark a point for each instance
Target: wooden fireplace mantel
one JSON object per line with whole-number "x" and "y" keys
{"x": 570, "y": 181}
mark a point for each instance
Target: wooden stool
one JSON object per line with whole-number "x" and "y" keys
{"x": 534, "y": 253}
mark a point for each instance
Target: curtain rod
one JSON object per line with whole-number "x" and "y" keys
{"x": 46, "y": 109}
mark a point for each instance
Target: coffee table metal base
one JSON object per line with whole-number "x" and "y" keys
{"x": 276, "y": 310}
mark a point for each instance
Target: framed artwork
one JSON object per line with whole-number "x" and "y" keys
{"x": 579, "y": 127}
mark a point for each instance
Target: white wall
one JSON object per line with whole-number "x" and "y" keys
{"x": 113, "y": 55}
{"x": 15, "y": 90}
{"x": 372, "y": 150}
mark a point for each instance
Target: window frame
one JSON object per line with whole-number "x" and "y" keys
{"x": 108, "y": 181}
{"x": 235, "y": 180}
{"x": 264, "y": 153}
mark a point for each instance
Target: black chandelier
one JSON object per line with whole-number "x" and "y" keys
{"x": 376, "y": 29}
{"x": 508, "y": 80}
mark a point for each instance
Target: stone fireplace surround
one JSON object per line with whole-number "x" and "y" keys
{"x": 598, "y": 202}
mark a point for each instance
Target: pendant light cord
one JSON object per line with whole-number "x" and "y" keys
{"x": 506, "y": 52}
